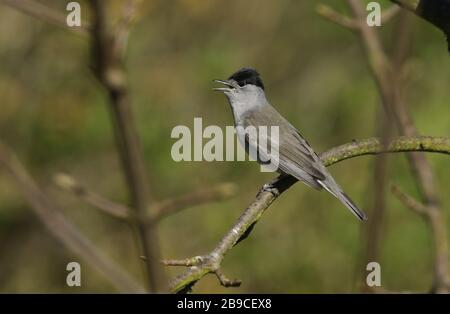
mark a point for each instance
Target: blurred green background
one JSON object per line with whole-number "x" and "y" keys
{"x": 54, "y": 114}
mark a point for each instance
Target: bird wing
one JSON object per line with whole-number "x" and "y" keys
{"x": 296, "y": 157}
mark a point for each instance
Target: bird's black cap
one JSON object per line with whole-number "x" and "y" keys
{"x": 246, "y": 76}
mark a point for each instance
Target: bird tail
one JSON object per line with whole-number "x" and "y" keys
{"x": 337, "y": 192}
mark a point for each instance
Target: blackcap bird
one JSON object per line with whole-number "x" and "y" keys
{"x": 245, "y": 93}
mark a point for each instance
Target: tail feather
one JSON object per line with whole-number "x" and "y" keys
{"x": 340, "y": 195}
{"x": 352, "y": 206}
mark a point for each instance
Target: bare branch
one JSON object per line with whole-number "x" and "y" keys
{"x": 108, "y": 66}
{"x": 388, "y": 14}
{"x": 330, "y": 14}
{"x": 373, "y": 232}
{"x": 202, "y": 196}
{"x": 410, "y": 5}
{"x": 46, "y": 14}
{"x": 211, "y": 262}
{"x": 373, "y": 146}
{"x": 68, "y": 183}
{"x": 408, "y": 200}
{"x": 51, "y": 216}
{"x": 224, "y": 281}
{"x": 160, "y": 209}
{"x": 123, "y": 28}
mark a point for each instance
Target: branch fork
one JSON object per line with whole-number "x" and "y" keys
{"x": 199, "y": 266}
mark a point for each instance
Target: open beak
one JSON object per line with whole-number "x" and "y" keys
{"x": 224, "y": 89}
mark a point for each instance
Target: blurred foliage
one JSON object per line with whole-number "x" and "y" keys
{"x": 55, "y": 115}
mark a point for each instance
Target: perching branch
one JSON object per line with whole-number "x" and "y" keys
{"x": 200, "y": 266}
{"x": 51, "y": 216}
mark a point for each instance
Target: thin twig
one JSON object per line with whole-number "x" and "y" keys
{"x": 410, "y": 5}
{"x": 408, "y": 200}
{"x": 187, "y": 262}
{"x": 330, "y": 14}
{"x": 68, "y": 183}
{"x": 224, "y": 281}
{"x": 46, "y": 14}
{"x": 123, "y": 27}
{"x": 388, "y": 14}
{"x": 202, "y": 196}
